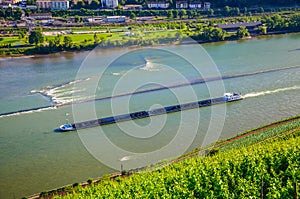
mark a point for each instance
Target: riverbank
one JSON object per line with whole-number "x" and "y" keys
{"x": 188, "y": 41}
{"x": 270, "y": 131}
{"x": 178, "y": 32}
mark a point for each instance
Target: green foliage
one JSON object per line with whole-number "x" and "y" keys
{"x": 36, "y": 37}
{"x": 262, "y": 30}
{"x": 265, "y": 170}
{"x": 67, "y": 42}
{"x": 242, "y": 32}
{"x": 251, "y": 3}
{"x": 11, "y": 13}
{"x": 90, "y": 181}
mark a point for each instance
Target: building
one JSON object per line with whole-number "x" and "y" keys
{"x": 156, "y": 5}
{"x": 182, "y": 5}
{"x": 114, "y": 19}
{"x": 233, "y": 27}
{"x": 111, "y": 3}
{"x": 40, "y": 16}
{"x": 195, "y": 5}
{"x": 150, "y": 18}
{"x": 53, "y": 4}
{"x": 94, "y": 19}
{"x": 59, "y": 4}
{"x": 206, "y": 5}
{"x": 132, "y": 7}
{"x": 9, "y": 2}
{"x": 43, "y": 4}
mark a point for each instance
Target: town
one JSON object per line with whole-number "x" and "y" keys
{"x": 104, "y": 4}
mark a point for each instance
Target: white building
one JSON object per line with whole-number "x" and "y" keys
{"x": 156, "y": 5}
{"x": 206, "y": 5}
{"x": 53, "y": 4}
{"x": 195, "y": 5}
{"x": 114, "y": 19}
{"x": 110, "y": 3}
{"x": 9, "y": 2}
{"x": 182, "y": 5}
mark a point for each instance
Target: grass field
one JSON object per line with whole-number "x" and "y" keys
{"x": 14, "y": 41}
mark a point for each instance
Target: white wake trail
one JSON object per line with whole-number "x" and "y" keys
{"x": 255, "y": 94}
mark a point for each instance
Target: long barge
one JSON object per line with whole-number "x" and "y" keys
{"x": 228, "y": 97}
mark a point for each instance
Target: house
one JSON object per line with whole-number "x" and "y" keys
{"x": 233, "y": 27}
{"x": 206, "y": 5}
{"x": 156, "y": 5}
{"x": 182, "y": 5}
{"x": 53, "y": 4}
{"x": 43, "y": 4}
{"x": 9, "y": 2}
{"x": 195, "y": 5}
{"x": 111, "y": 3}
{"x": 132, "y": 7}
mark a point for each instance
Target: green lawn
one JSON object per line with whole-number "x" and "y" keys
{"x": 79, "y": 38}
{"x": 11, "y": 40}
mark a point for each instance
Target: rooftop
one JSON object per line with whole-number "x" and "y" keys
{"x": 239, "y": 24}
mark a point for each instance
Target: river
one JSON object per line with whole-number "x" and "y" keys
{"x": 34, "y": 157}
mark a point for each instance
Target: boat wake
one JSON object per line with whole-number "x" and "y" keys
{"x": 63, "y": 93}
{"x": 256, "y": 94}
{"x": 27, "y": 111}
{"x": 149, "y": 66}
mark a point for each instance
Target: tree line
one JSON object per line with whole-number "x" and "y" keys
{"x": 201, "y": 31}
{"x": 10, "y": 13}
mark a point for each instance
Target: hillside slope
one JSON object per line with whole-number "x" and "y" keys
{"x": 269, "y": 168}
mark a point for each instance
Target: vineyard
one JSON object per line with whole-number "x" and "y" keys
{"x": 268, "y": 168}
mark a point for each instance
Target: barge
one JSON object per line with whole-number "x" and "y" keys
{"x": 228, "y": 97}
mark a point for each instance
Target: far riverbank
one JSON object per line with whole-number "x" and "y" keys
{"x": 172, "y": 41}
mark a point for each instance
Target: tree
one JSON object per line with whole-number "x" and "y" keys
{"x": 80, "y": 5}
{"x": 2, "y": 13}
{"x": 31, "y": 2}
{"x": 211, "y": 12}
{"x": 17, "y": 14}
{"x": 27, "y": 12}
{"x": 94, "y": 4}
{"x": 295, "y": 22}
{"x": 36, "y": 37}
{"x": 242, "y": 32}
{"x": 8, "y": 12}
{"x": 132, "y": 15}
{"x": 226, "y": 11}
{"x": 262, "y": 30}
{"x": 182, "y": 13}
{"x": 170, "y": 14}
{"x": 56, "y": 41}
{"x": 218, "y": 34}
{"x": 261, "y": 10}
{"x": 78, "y": 19}
{"x": 175, "y": 14}
{"x": 245, "y": 11}
{"x": 67, "y": 42}
{"x": 96, "y": 39}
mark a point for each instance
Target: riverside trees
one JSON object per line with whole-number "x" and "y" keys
{"x": 36, "y": 37}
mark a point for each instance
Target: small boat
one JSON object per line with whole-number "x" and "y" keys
{"x": 67, "y": 127}
{"x": 229, "y": 97}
